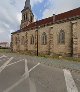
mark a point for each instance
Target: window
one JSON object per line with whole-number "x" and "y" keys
{"x": 32, "y": 39}
{"x": 44, "y": 39}
{"x": 16, "y": 40}
{"x": 22, "y": 40}
{"x": 26, "y": 16}
{"x": 62, "y": 37}
{"x": 26, "y": 35}
{"x": 26, "y": 40}
{"x": 31, "y": 18}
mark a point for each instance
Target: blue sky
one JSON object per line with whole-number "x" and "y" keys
{"x": 10, "y": 12}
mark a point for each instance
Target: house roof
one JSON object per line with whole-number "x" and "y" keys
{"x": 3, "y": 43}
{"x": 62, "y": 16}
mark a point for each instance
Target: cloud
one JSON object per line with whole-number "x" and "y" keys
{"x": 59, "y": 6}
{"x": 8, "y": 19}
{"x": 10, "y": 13}
{"x": 47, "y": 13}
{"x": 34, "y": 2}
{"x": 10, "y": 16}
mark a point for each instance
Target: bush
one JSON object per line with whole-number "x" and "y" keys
{"x": 4, "y": 47}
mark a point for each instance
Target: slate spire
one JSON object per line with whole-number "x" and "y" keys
{"x": 27, "y": 4}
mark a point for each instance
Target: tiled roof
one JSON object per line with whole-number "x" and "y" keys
{"x": 69, "y": 14}
{"x": 62, "y": 16}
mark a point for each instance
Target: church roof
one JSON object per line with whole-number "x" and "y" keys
{"x": 3, "y": 43}
{"x": 63, "y": 16}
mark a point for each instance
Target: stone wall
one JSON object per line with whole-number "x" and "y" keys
{"x": 78, "y": 34}
{"x": 61, "y": 48}
{"x": 52, "y": 46}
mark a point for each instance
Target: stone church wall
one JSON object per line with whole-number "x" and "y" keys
{"x": 61, "y": 48}
{"x": 14, "y": 43}
{"x": 52, "y": 46}
{"x": 78, "y": 34}
{"x": 43, "y": 49}
{"x": 31, "y": 47}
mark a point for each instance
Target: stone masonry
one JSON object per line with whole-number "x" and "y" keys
{"x": 69, "y": 22}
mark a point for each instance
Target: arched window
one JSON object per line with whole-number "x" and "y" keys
{"x": 44, "y": 39}
{"x": 26, "y": 16}
{"x": 32, "y": 39}
{"x": 16, "y": 40}
{"x": 31, "y": 18}
{"x": 22, "y": 40}
{"x": 62, "y": 37}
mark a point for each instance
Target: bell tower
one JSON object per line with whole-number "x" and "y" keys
{"x": 27, "y": 15}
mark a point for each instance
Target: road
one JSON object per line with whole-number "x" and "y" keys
{"x": 27, "y": 74}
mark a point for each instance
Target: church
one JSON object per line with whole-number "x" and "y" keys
{"x": 56, "y": 35}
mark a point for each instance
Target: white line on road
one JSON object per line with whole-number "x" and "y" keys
{"x": 26, "y": 69}
{"x": 14, "y": 85}
{"x": 3, "y": 56}
{"x": 71, "y": 87}
{"x": 34, "y": 67}
{"x": 31, "y": 69}
{"x": 32, "y": 85}
{"x": 15, "y": 62}
{"x": 22, "y": 79}
{"x": 5, "y": 64}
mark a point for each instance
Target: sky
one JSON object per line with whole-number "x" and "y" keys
{"x": 10, "y": 13}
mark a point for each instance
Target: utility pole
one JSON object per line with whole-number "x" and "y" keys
{"x": 37, "y": 42}
{"x": 37, "y": 35}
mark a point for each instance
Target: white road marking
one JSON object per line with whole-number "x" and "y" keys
{"x": 5, "y": 64}
{"x": 71, "y": 87}
{"x": 15, "y": 62}
{"x": 22, "y": 79}
{"x": 34, "y": 67}
{"x": 14, "y": 85}
{"x": 31, "y": 69}
{"x": 32, "y": 86}
{"x": 3, "y": 56}
{"x": 4, "y": 59}
{"x": 78, "y": 80}
{"x": 26, "y": 69}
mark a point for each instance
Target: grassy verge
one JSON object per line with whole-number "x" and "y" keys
{"x": 72, "y": 59}
{"x": 5, "y": 50}
{"x": 44, "y": 56}
{"x": 62, "y": 58}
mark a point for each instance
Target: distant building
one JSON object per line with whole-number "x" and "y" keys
{"x": 59, "y": 34}
{"x": 4, "y": 44}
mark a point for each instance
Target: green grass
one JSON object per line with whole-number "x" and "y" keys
{"x": 44, "y": 56}
{"x": 61, "y": 58}
{"x": 5, "y": 50}
{"x": 72, "y": 59}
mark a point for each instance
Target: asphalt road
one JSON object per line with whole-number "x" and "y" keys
{"x": 27, "y": 74}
